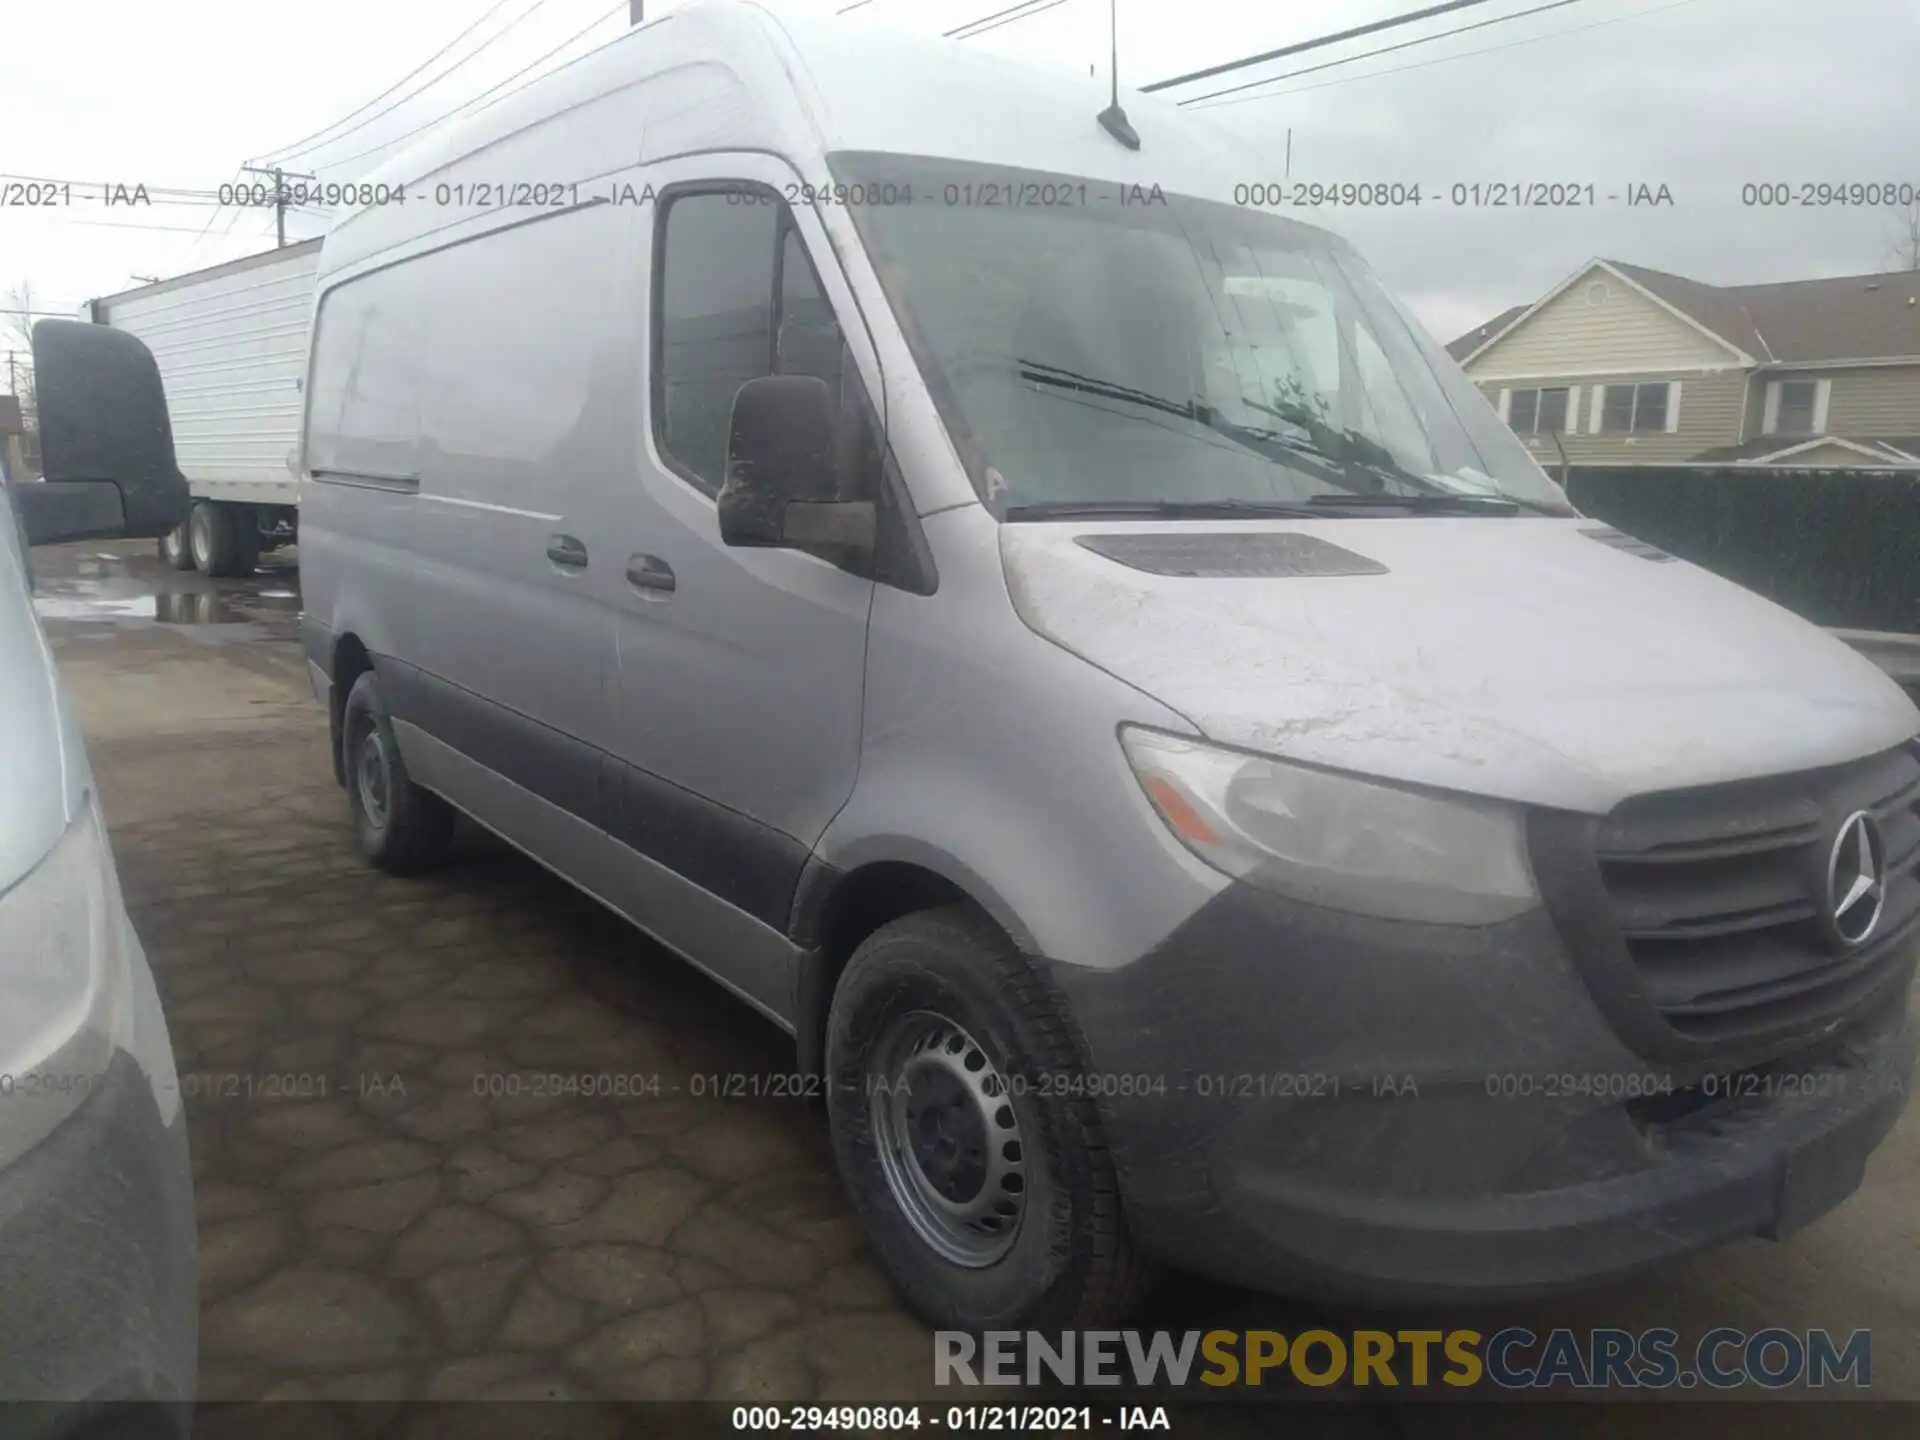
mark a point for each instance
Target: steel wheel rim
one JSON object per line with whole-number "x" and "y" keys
{"x": 949, "y": 1140}
{"x": 372, "y": 779}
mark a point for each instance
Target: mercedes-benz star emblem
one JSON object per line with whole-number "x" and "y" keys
{"x": 1856, "y": 886}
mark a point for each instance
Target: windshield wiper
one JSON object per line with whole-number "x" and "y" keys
{"x": 1267, "y": 444}
{"x": 1440, "y": 502}
{"x": 1362, "y": 452}
{"x": 1425, "y": 503}
{"x": 1160, "y": 509}
{"x": 1328, "y": 454}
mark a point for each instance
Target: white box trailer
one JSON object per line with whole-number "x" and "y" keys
{"x": 231, "y": 344}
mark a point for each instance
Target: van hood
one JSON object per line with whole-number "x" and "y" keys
{"x": 42, "y": 767}
{"x": 1528, "y": 659}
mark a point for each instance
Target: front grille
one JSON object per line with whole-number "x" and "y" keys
{"x": 1711, "y": 927}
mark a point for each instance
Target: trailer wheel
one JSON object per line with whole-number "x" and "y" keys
{"x": 246, "y": 539}
{"x": 210, "y": 538}
{"x": 174, "y": 550}
{"x": 224, "y": 539}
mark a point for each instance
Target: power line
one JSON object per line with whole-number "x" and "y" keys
{"x": 619, "y": 9}
{"x": 1370, "y": 54}
{"x": 281, "y": 153}
{"x": 1314, "y": 44}
{"x": 418, "y": 90}
{"x": 980, "y": 25}
{"x": 1463, "y": 55}
{"x": 110, "y": 185}
{"x": 196, "y": 230}
{"x": 1016, "y": 19}
{"x": 198, "y": 239}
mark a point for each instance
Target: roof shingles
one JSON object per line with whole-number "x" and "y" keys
{"x": 1792, "y": 322}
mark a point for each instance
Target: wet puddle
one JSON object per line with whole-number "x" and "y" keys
{"x": 118, "y": 589}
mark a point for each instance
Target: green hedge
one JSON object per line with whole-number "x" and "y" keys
{"x": 1841, "y": 548}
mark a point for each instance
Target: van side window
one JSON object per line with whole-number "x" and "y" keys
{"x": 363, "y": 399}
{"x": 808, "y": 341}
{"x": 716, "y": 321}
{"x": 739, "y": 300}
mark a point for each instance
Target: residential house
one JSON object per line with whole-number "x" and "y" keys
{"x": 1622, "y": 365}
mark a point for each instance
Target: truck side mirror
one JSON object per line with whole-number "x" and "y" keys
{"x": 782, "y": 478}
{"x": 106, "y": 443}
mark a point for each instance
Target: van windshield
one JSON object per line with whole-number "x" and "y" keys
{"x": 1092, "y": 346}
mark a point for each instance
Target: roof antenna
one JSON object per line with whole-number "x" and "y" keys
{"x": 1113, "y": 119}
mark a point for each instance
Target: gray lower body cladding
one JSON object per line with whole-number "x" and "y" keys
{"x": 1380, "y": 1112}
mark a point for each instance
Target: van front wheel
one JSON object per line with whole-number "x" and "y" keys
{"x": 399, "y": 826}
{"x": 980, "y": 1170}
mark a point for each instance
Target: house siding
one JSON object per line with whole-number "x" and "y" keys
{"x": 1710, "y": 413}
{"x": 1881, "y": 401}
{"x": 1629, "y": 334}
{"x": 1871, "y": 401}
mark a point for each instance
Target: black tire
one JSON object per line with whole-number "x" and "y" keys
{"x": 246, "y": 539}
{"x": 174, "y": 551}
{"x": 399, "y": 827}
{"x": 1068, "y": 1262}
{"x": 210, "y": 537}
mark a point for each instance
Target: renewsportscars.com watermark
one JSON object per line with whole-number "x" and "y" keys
{"x": 1515, "y": 1358}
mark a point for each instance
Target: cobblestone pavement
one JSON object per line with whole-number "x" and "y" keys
{"x": 394, "y": 1200}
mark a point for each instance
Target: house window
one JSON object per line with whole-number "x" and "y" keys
{"x": 1634, "y": 409}
{"x": 1538, "y": 412}
{"x": 1797, "y": 399}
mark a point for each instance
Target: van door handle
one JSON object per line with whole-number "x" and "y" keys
{"x": 567, "y": 552}
{"x": 651, "y": 573}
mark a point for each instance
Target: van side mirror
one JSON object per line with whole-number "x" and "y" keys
{"x": 782, "y": 477}
{"x": 106, "y": 443}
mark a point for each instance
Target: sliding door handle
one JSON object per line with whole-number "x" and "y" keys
{"x": 651, "y": 574}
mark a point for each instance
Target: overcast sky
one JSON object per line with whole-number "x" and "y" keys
{"x": 1699, "y": 95}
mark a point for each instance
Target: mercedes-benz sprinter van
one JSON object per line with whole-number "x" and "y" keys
{"x": 1076, "y": 654}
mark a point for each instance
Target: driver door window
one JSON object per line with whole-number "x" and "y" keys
{"x": 738, "y": 299}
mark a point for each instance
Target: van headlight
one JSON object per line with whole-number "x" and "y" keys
{"x": 1334, "y": 840}
{"x": 65, "y": 1001}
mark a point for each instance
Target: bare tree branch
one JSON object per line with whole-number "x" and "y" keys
{"x": 1905, "y": 245}
{"x": 16, "y": 330}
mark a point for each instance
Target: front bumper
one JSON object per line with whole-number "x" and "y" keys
{"x": 1378, "y": 1112}
{"x": 99, "y": 1292}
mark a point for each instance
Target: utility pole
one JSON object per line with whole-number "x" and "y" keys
{"x": 280, "y": 202}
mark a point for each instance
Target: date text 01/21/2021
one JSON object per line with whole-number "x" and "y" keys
{"x": 1459, "y": 194}
{"x": 1006, "y": 1419}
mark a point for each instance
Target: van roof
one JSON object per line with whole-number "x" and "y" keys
{"x": 733, "y": 74}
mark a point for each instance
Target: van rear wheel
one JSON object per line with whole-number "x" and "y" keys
{"x": 981, "y": 1172}
{"x": 398, "y": 826}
